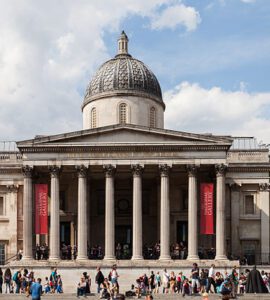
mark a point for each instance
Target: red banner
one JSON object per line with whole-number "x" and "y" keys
{"x": 207, "y": 204}
{"x": 41, "y": 213}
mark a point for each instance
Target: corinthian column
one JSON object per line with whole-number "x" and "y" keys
{"x": 220, "y": 213}
{"x": 55, "y": 218}
{"x": 164, "y": 213}
{"x": 109, "y": 213}
{"x": 137, "y": 212}
{"x": 192, "y": 213}
{"x": 27, "y": 213}
{"x": 82, "y": 212}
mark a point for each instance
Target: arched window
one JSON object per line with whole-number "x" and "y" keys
{"x": 152, "y": 117}
{"x": 93, "y": 117}
{"x": 123, "y": 113}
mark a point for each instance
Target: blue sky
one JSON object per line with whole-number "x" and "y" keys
{"x": 212, "y": 59}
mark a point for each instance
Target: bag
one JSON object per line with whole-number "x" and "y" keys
{"x": 110, "y": 276}
{"x": 51, "y": 278}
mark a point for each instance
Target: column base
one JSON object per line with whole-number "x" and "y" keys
{"x": 137, "y": 257}
{"x": 81, "y": 258}
{"x": 165, "y": 257}
{"x": 109, "y": 257}
{"x": 193, "y": 257}
{"x": 221, "y": 257}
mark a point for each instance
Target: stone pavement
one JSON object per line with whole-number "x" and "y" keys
{"x": 157, "y": 297}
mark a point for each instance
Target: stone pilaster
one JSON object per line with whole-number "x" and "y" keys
{"x": 55, "y": 214}
{"x": 109, "y": 213}
{"x": 220, "y": 213}
{"x": 235, "y": 215}
{"x": 27, "y": 213}
{"x": 192, "y": 213}
{"x": 164, "y": 213}
{"x": 137, "y": 212}
{"x": 82, "y": 212}
{"x": 264, "y": 205}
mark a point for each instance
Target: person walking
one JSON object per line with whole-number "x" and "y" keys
{"x": 7, "y": 279}
{"x": 157, "y": 283}
{"x": 211, "y": 279}
{"x": 36, "y": 290}
{"x": 195, "y": 272}
{"x": 99, "y": 279}
{"x": 165, "y": 281}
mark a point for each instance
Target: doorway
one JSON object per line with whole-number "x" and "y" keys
{"x": 65, "y": 233}
{"x": 123, "y": 238}
{"x": 182, "y": 232}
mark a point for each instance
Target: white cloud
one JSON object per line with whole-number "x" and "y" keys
{"x": 248, "y": 1}
{"x": 48, "y": 50}
{"x": 191, "y": 107}
{"x": 177, "y": 15}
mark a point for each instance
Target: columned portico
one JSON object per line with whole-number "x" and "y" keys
{"x": 55, "y": 217}
{"x": 27, "y": 213}
{"x": 192, "y": 213}
{"x": 220, "y": 213}
{"x": 82, "y": 212}
{"x": 109, "y": 213}
{"x": 164, "y": 213}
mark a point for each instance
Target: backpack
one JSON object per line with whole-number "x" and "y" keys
{"x": 15, "y": 277}
{"x": 110, "y": 276}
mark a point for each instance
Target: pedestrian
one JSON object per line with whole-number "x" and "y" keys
{"x": 81, "y": 289}
{"x": 152, "y": 282}
{"x": 36, "y": 290}
{"x": 87, "y": 280}
{"x": 1, "y": 281}
{"x": 165, "y": 281}
{"x": 99, "y": 279}
{"x": 195, "y": 283}
{"x": 157, "y": 283}
{"x": 211, "y": 279}
{"x": 7, "y": 279}
{"x": 59, "y": 287}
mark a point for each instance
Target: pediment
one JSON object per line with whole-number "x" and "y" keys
{"x": 126, "y": 134}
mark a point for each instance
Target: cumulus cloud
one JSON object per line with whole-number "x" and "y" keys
{"x": 177, "y": 15}
{"x": 48, "y": 50}
{"x": 191, "y": 107}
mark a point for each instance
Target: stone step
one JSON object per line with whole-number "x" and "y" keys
{"x": 159, "y": 296}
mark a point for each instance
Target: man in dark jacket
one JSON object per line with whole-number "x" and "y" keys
{"x": 255, "y": 283}
{"x": 99, "y": 279}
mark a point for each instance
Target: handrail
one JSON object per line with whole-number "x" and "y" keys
{"x": 11, "y": 258}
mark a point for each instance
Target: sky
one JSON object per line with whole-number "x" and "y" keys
{"x": 211, "y": 57}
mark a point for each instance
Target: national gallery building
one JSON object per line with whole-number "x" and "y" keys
{"x": 124, "y": 184}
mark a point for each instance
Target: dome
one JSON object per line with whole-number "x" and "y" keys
{"x": 123, "y": 75}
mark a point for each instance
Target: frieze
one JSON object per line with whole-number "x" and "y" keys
{"x": 12, "y": 188}
{"x": 137, "y": 170}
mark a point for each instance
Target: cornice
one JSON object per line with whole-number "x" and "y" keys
{"x": 249, "y": 168}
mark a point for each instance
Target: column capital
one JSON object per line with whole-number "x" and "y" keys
{"x": 137, "y": 170}
{"x": 164, "y": 170}
{"x": 12, "y": 188}
{"x": 220, "y": 169}
{"x": 81, "y": 171}
{"x": 109, "y": 170}
{"x": 55, "y": 171}
{"x": 264, "y": 187}
{"x": 27, "y": 171}
{"x": 192, "y": 170}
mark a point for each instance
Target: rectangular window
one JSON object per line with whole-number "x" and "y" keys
{"x": 1, "y": 206}
{"x": 249, "y": 205}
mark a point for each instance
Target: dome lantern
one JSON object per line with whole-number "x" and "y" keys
{"x": 123, "y": 43}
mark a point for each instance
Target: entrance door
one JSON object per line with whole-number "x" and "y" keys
{"x": 123, "y": 236}
{"x": 65, "y": 232}
{"x": 182, "y": 232}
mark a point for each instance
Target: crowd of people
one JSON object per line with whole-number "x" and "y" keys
{"x": 22, "y": 282}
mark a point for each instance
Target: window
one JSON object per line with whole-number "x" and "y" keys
{"x": 93, "y": 117}
{"x": 249, "y": 205}
{"x": 152, "y": 117}
{"x": 2, "y": 253}
{"x": 1, "y": 206}
{"x": 123, "y": 113}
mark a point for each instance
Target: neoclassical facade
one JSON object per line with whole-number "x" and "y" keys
{"x": 125, "y": 179}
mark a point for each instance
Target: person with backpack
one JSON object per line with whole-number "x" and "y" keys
{"x": 53, "y": 279}
{"x": 99, "y": 279}
{"x": 36, "y": 290}
{"x": 17, "y": 280}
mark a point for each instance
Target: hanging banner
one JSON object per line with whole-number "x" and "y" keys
{"x": 41, "y": 208}
{"x": 207, "y": 210}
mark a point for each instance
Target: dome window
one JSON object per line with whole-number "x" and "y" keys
{"x": 152, "y": 117}
{"x": 123, "y": 113}
{"x": 93, "y": 117}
